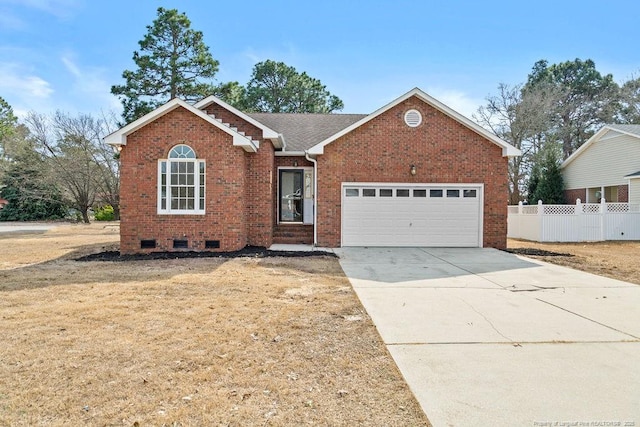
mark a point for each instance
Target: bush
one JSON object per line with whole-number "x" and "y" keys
{"x": 105, "y": 213}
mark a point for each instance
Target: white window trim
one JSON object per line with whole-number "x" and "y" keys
{"x": 168, "y": 210}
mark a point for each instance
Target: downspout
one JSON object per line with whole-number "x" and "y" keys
{"x": 315, "y": 197}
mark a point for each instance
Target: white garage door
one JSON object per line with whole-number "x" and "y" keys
{"x": 446, "y": 215}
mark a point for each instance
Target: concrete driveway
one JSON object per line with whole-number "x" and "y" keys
{"x": 25, "y": 227}
{"x": 484, "y": 337}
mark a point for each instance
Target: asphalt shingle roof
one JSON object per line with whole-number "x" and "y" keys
{"x": 303, "y": 131}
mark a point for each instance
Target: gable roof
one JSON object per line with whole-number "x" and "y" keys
{"x": 303, "y": 131}
{"x": 631, "y": 130}
{"x": 508, "y": 150}
{"x": 119, "y": 137}
{"x": 267, "y": 132}
{"x": 633, "y": 175}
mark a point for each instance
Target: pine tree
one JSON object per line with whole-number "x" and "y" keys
{"x": 546, "y": 183}
{"x": 173, "y": 61}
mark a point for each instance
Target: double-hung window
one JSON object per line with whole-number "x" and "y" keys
{"x": 181, "y": 182}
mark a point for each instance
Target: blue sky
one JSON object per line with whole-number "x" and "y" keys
{"x": 66, "y": 54}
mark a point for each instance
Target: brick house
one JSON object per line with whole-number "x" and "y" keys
{"x": 210, "y": 177}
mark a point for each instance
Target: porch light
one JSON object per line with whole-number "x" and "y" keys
{"x": 413, "y": 170}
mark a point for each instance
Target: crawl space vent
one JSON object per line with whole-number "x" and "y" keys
{"x": 413, "y": 118}
{"x": 148, "y": 244}
{"x": 180, "y": 244}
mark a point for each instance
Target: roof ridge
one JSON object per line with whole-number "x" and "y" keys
{"x": 310, "y": 114}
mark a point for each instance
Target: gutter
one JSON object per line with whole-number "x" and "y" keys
{"x": 315, "y": 197}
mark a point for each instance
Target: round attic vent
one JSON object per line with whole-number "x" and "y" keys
{"x": 413, "y": 118}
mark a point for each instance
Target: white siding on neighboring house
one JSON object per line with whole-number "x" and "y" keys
{"x": 605, "y": 162}
{"x": 634, "y": 190}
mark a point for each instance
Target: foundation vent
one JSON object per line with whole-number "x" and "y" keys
{"x": 212, "y": 244}
{"x": 180, "y": 244}
{"x": 148, "y": 244}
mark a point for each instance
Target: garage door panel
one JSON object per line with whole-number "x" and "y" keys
{"x": 412, "y": 221}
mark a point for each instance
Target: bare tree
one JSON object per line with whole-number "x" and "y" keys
{"x": 79, "y": 161}
{"x": 519, "y": 117}
{"x": 630, "y": 102}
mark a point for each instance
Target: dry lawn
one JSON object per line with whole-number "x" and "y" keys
{"x": 239, "y": 342}
{"x": 618, "y": 260}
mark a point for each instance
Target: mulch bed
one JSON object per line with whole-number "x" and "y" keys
{"x": 535, "y": 252}
{"x": 247, "y": 252}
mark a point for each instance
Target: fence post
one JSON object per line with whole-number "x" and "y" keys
{"x": 540, "y": 221}
{"x": 519, "y": 216}
{"x": 580, "y": 225}
{"x": 603, "y": 212}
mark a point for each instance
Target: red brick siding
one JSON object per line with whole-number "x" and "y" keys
{"x": 570, "y": 196}
{"x": 581, "y": 193}
{"x": 261, "y": 190}
{"x": 225, "y": 205}
{"x": 288, "y": 161}
{"x": 443, "y": 151}
{"x": 623, "y": 193}
{"x": 234, "y": 121}
{"x": 261, "y": 178}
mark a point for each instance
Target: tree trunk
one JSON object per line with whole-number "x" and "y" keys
{"x": 85, "y": 215}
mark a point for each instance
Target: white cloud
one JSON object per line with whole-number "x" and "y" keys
{"x": 10, "y": 22}
{"x": 16, "y": 81}
{"x": 23, "y": 90}
{"x": 457, "y": 100}
{"x": 89, "y": 88}
{"x": 71, "y": 66}
{"x": 59, "y": 8}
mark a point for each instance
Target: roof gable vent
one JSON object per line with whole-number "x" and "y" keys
{"x": 413, "y": 118}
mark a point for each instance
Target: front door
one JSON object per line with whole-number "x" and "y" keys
{"x": 291, "y": 195}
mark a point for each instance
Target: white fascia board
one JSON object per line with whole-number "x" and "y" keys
{"x": 119, "y": 137}
{"x": 508, "y": 150}
{"x": 267, "y": 132}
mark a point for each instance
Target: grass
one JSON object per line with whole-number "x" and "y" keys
{"x": 614, "y": 259}
{"x": 245, "y": 341}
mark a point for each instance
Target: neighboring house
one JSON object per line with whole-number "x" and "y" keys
{"x": 3, "y": 202}
{"x": 210, "y": 177}
{"x": 606, "y": 166}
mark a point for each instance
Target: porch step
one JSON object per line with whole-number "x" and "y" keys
{"x": 293, "y": 234}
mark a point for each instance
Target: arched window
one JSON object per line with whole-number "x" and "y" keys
{"x": 181, "y": 182}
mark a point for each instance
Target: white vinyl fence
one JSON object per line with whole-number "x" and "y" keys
{"x": 581, "y": 222}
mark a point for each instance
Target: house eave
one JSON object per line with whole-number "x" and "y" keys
{"x": 267, "y": 132}
{"x": 508, "y": 150}
{"x": 119, "y": 137}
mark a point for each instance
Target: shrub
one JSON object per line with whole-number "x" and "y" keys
{"x": 105, "y": 213}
